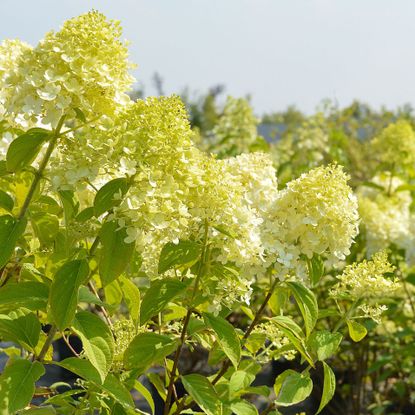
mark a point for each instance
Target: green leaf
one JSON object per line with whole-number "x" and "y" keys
{"x": 158, "y": 383}
{"x": 203, "y": 392}
{"x": 24, "y": 149}
{"x": 244, "y": 408}
{"x": 64, "y": 291}
{"x": 45, "y": 226}
{"x": 156, "y": 298}
{"x": 86, "y": 296}
{"x": 6, "y": 201}
{"x": 97, "y": 341}
{"x": 324, "y": 344}
{"x": 69, "y": 203}
{"x": 21, "y": 327}
{"x": 17, "y": 384}
{"x": 307, "y": 303}
{"x": 29, "y": 294}
{"x": 115, "y": 252}
{"x": 315, "y": 269}
{"x": 119, "y": 392}
{"x": 329, "y": 387}
{"x": 292, "y": 387}
{"x": 85, "y": 214}
{"x": 86, "y": 370}
{"x": 278, "y": 300}
{"x": 131, "y": 295}
{"x": 357, "y": 331}
{"x": 240, "y": 380}
{"x": 110, "y": 195}
{"x": 145, "y": 393}
{"x": 11, "y": 229}
{"x": 80, "y": 115}
{"x": 226, "y": 337}
{"x": 43, "y": 410}
{"x": 183, "y": 254}
{"x": 294, "y": 334}
{"x": 81, "y": 367}
{"x": 148, "y": 348}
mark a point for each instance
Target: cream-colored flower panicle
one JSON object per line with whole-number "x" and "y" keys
{"x": 385, "y": 213}
{"x": 84, "y": 66}
{"x": 236, "y": 131}
{"x": 314, "y": 214}
{"x": 395, "y": 145}
{"x": 366, "y": 279}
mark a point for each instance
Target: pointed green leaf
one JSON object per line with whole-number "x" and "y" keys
{"x": 183, "y": 254}
{"x": 70, "y": 204}
{"x": 45, "y": 226}
{"x": 21, "y": 327}
{"x": 226, "y": 337}
{"x": 145, "y": 393}
{"x": 118, "y": 391}
{"x": 6, "y": 201}
{"x": 81, "y": 367}
{"x": 357, "y": 331}
{"x": 324, "y": 344}
{"x": 29, "y": 294}
{"x": 156, "y": 298}
{"x": 307, "y": 304}
{"x": 97, "y": 341}
{"x": 24, "y": 149}
{"x": 11, "y": 229}
{"x": 64, "y": 291}
{"x": 131, "y": 295}
{"x": 292, "y": 387}
{"x": 240, "y": 380}
{"x": 86, "y": 296}
{"x": 148, "y": 348}
{"x": 203, "y": 392}
{"x": 110, "y": 195}
{"x": 17, "y": 384}
{"x": 115, "y": 252}
{"x": 294, "y": 334}
{"x": 329, "y": 387}
{"x": 244, "y": 408}
{"x": 315, "y": 269}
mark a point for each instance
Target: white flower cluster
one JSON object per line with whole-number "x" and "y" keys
{"x": 366, "y": 279}
{"x": 83, "y": 66}
{"x": 315, "y": 214}
{"x": 176, "y": 190}
{"x": 385, "y": 213}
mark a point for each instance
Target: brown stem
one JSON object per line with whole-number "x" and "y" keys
{"x": 255, "y": 321}
{"x": 102, "y": 308}
{"x": 200, "y": 272}
{"x": 268, "y": 409}
{"x": 66, "y": 340}
{"x": 176, "y": 363}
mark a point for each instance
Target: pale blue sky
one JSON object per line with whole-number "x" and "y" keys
{"x": 280, "y": 51}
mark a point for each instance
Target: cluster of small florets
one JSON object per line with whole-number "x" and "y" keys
{"x": 366, "y": 279}
{"x": 385, "y": 213}
{"x": 315, "y": 214}
{"x": 177, "y": 191}
{"x": 124, "y": 332}
{"x": 83, "y": 66}
{"x": 373, "y": 312}
{"x": 277, "y": 340}
{"x": 236, "y": 131}
{"x": 395, "y": 145}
